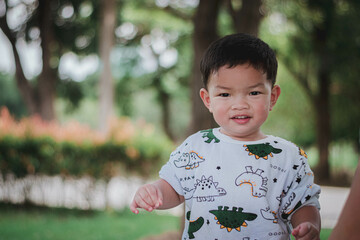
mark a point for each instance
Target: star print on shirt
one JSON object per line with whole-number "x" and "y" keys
{"x": 308, "y": 197}
{"x": 275, "y": 180}
{"x": 298, "y": 180}
{"x": 218, "y": 167}
{"x": 295, "y": 167}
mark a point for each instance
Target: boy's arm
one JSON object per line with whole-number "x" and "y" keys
{"x": 306, "y": 223}
{"x": 170, "y": 197}
{"x": 157, "y": 195}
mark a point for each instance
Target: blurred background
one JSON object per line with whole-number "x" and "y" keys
{"x": 95, "y": 94}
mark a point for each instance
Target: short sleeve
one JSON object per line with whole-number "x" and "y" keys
{"x": 301, "y": 191}
{"x": 169, "y": 171}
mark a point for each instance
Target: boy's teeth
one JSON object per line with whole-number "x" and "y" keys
{"x": 241, "y": 117}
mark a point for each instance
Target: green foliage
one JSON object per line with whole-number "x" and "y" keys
{"x": 10, "y": 97}
{"x": 71, "y": 92}
{"x": 291, "y": 29}
{"x": 292, "y": 117}
{"x": 77, "y": 33}
{"x": 22, "y": 156}
{"x": 87, "y": 107}
{"x": 148, "y": 16}
{"x": 343, "y": 159}
{"x": 139, "y": 89}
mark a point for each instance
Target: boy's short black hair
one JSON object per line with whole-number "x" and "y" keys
{"x": 237, "y": 49}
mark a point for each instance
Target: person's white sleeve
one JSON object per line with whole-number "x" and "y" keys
{"x": 301, "y": 192}
{"x": 168, "y": 173}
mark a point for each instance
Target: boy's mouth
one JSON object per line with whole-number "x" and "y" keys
{"x": 241, "y": 119}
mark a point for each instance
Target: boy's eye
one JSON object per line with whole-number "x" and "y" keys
{"x": 254, "y": 93}
{"x": 224, "y": 94}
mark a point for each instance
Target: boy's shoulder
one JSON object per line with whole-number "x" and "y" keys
{"x": 282, "y": 141}
{"x": 287, "y": 145}
{"x": 207, "y": 135}
{"x": 198, "y": 138}
{"x": 212, "y": 137}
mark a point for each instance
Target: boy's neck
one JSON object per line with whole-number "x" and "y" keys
{"x": 259, "y": 136}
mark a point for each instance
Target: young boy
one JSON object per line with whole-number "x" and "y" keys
{"x": 237, "y": 182}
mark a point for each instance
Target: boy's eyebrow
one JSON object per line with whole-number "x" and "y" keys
{"x": 222, "y": 87}
{"x": 257, "y": 85}
{"x": 249, "y": 87}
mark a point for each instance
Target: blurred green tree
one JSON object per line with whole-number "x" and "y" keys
{"x": 57, "y": 27}
{"x": 158, "y": 46}
{"x": 40, "y": 99}
{"x": 152, "y": 54}
{"x": 321, "y": 55}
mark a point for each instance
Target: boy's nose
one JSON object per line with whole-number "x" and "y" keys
{"x": 239, "y": 103}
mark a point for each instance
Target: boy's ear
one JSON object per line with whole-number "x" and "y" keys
{"x": 204, "y": 94}
{"x": 275, "y": 93}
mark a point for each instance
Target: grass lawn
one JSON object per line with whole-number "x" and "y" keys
{"x": 19, "y": 223}
{"x": 60, "y": 224}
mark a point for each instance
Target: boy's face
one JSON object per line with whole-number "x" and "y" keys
{"x": 240, "y": 99}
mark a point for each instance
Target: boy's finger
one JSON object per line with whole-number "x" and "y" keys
{"x": 152, "y": 196}
{"x": 141, "y": 200}
{"x": 133, "y": 207}
{"x": 145, "y": 201}
{"x": 160, "y": 199}
{"x": 304, "y": 229}
{"x": 147, "y": 197}
{"x": 301, "y": 230}
{"x": 295, "y": 232}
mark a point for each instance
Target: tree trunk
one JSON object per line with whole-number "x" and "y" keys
{"x": 323, "y": 128}
{"x": 165, "y": 106}
{"x": 205, "y": 32}
{"x": 164, "y": 100}
{"x": 39, "y": 99}
{"x": 106, "y": 42}
{"x": 47, "y": 78}
{"x": 247, "y": 19}
{"x": 322, "y": 107}
{"x": 26, "y": 90}
{"x": 320, "y": 41}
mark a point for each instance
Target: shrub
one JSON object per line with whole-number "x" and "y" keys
{"x": 32, "y": 146}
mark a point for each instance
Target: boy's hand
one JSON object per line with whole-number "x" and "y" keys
{"x": 148, "y": 197}
{"x": 306, "y": 231}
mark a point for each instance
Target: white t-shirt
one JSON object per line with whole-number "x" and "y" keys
{"x": 239, "y": 190}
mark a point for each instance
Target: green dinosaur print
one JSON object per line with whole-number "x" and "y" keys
{"x": 194, "y": 226}
{"x": 263, "y": 150}
{"x": 210, "y": 136}
{"x": 232, "y": 219}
